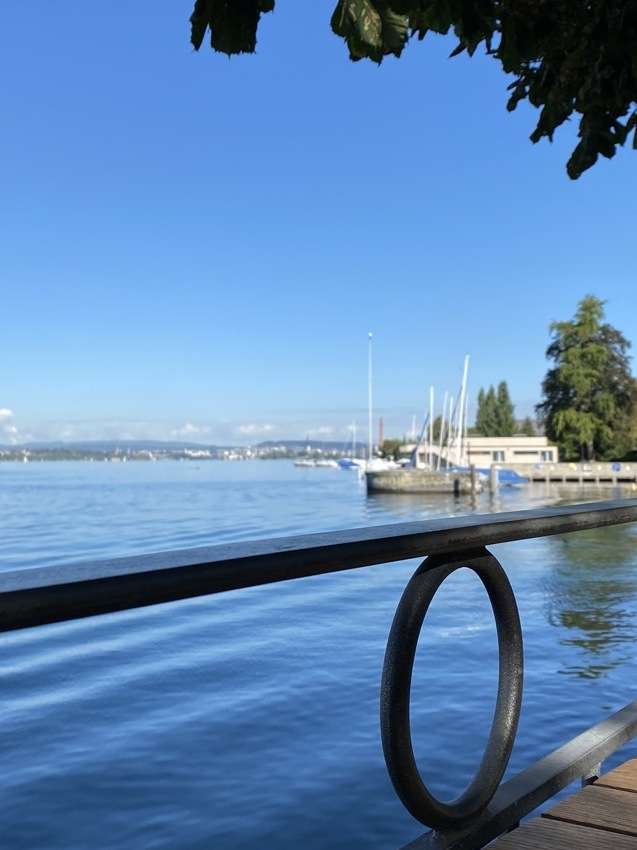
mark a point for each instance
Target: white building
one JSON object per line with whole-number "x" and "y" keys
{"x": 483, "y": 451}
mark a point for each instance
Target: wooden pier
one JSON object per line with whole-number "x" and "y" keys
{"x": 596, "y": 473}
{"x": 602, "y": 816}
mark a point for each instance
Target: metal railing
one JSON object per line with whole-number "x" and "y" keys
{"x": 34, "y": 597}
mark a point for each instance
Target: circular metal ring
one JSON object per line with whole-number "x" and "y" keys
{"x": 396, "y": 689}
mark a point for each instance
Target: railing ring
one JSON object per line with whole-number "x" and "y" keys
{"x": 396, "y": 688}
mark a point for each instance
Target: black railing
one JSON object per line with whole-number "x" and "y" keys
{"x": 32, "y": 597}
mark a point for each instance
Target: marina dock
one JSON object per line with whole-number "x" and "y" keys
{"x": 421, "y": 481}
{"x": 597, "y": 473}
{"x": 602, "y": 816}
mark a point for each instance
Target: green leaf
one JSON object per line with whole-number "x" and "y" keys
{"x": 371, "y": 28}
{"x": 232, "y": 25}
{"x": 199, "y": 22}
{"x": 569, "y": 58}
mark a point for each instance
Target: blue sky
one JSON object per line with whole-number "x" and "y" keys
{"x": 196, "y": 246}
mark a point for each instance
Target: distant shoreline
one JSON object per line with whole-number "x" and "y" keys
{"x": 151, "y": 450}
{"x": 147, "y": 455}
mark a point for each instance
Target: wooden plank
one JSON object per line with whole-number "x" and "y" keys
{"x": 623, "y": 778}
{"x": 546, "y": 834}
{"x": 602, "y": 816}
{"x": 602, "y": 808}
{"x": 522, "y": 795}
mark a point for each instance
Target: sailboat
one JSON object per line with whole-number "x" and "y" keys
{"x": 442, "y": 470}
{"x": 351, "y": 462}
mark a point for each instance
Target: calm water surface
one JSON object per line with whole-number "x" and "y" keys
{"x": 250, "y": 719}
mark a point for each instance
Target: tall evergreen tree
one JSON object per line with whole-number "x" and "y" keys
{"x": 504, "y": 411}
{"x": 487, "y": 415}
{"x": 480, "y": 411}
{"x": 495, "y": 412}
{"x": 590, "y": 394}
{"x": 527, "y": 427}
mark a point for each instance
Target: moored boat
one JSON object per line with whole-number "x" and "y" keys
{"x": 351, "y": 463}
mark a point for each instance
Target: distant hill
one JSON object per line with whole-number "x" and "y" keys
{"x": 325, "y": 445}
{"x": 166, "y": 445}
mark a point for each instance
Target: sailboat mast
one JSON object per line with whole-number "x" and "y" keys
{"x": 461, "y": 411}
{"x": 431, "y": 425}
{"x": 466, "y": 429}
{"x": 370, "y": 436}
{"x": 442, "y": 429}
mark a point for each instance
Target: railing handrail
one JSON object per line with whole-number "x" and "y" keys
{"x": 41, "y": 595}
{"x": 30, "y": 597}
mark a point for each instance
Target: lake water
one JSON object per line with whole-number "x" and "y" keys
{"x": 250, "y": 719}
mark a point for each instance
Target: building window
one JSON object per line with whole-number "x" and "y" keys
{"x": 525, "y": 452}
{"x": 547, "y": 456}
{"x": 498, "y": 456}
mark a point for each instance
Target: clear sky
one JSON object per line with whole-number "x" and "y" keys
{"x": 197, "y": 246}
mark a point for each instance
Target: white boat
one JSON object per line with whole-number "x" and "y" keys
{"x": 331, "y": 464}
{"x": 304, "y": 462}
{"x": 379, "y": 464}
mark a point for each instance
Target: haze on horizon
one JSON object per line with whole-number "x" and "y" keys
{"x": 195, "y": 249}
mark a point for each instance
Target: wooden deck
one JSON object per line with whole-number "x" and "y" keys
{"x": 602, "y": 816}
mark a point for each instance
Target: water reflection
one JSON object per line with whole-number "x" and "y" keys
{"x": 592, "y": 593}
{"x": 414, "y": 506}
{"x": 410, "y": 506}
{"x": 590, "y": 577}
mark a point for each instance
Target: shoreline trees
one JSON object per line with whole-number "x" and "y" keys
{"x": 590, "y": 395}
{"x": 495, "y": 416}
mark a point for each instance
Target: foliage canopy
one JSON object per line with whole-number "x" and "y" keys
{"x": 527, "y": 427}
{"x": 391, "y": 448}
{"x": 590, "y": 394}
{"x": 566, "y": 57}
{"x": 495, "y": 412}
